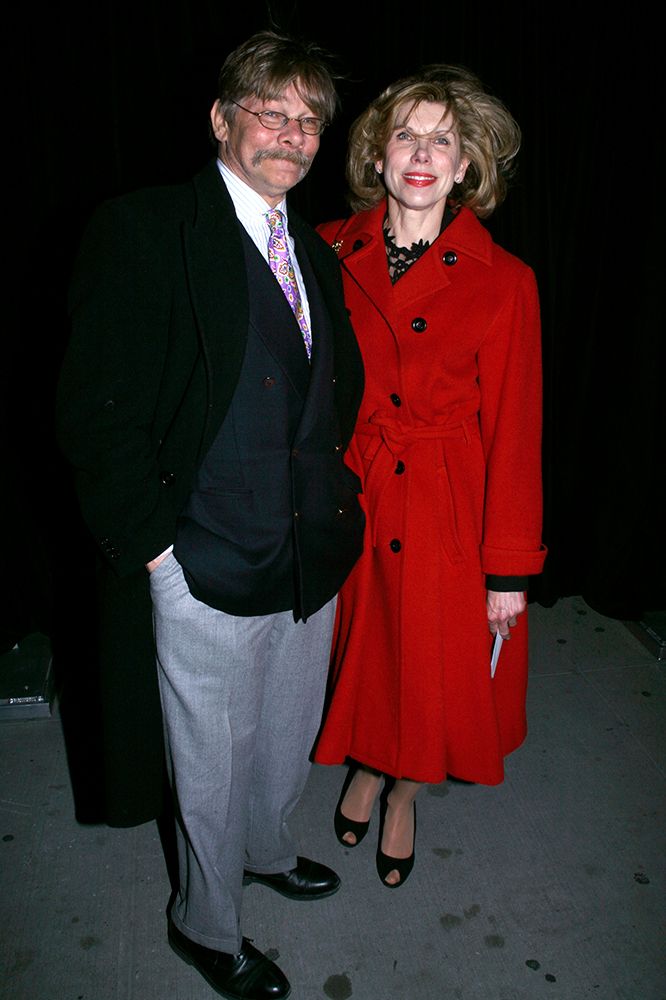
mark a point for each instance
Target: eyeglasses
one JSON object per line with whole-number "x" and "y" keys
{"x": 275, "y": 120}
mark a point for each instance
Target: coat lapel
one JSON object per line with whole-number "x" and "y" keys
{"x": 215, "y": 268}
{"x": 362, "y": 255}
{"x": 361, "y": 243}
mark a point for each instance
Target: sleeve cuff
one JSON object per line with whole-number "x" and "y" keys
{"x": 512, "y": 562}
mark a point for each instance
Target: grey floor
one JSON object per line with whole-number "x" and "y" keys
{"x": 551, "y": 885}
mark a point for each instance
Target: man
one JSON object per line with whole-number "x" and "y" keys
{"x": 206, "y": 407}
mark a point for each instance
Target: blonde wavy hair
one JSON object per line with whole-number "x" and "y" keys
{"x": 489, "y": 137}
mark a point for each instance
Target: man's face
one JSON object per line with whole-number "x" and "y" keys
{"x": 270, "y": 161}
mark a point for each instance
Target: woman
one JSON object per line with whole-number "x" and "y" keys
{"x": 447, "y": 445}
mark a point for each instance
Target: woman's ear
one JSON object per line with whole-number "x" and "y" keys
{"x": 462, "y": 170}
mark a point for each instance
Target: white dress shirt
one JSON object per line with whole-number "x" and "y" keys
{"x": 252, "y": 210}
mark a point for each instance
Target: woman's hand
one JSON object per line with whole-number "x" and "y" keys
{"x": 503, "y": 609}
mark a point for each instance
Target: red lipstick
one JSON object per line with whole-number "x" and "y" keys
{"x": 419, "y": 180}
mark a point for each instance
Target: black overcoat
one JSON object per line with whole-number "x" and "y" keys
{"x": 159, "y": 306}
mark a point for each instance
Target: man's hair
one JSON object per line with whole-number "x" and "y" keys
{"x": 488, "y": 134}
{"x": 267, "y": 63}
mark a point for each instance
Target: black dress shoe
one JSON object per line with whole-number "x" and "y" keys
{"x": 308, "y": 880}
{"x": 249, "y": 975}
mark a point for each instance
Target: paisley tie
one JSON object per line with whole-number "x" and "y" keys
{"x": 282, "y": 268}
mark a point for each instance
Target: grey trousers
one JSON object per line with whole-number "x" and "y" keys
{"x": 242, "y": 700}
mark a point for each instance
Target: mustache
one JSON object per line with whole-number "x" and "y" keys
{"x": 291, "y": 155}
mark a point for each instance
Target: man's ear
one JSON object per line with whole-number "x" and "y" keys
{"x": 218, "y": 122}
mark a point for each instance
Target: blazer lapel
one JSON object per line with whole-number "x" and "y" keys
{"x": 273, "y": 320}
{"x": 321, "y": 365}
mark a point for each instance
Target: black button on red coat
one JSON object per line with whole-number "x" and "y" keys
{"x": 395, "y": 399}
{"x": 395, "y": 545}
{"x": 450, "y": 258}
{"x": 419, "y": 324}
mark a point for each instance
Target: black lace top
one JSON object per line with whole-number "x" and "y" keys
{"x": 400, "y": 259}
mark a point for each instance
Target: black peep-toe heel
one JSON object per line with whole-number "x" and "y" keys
{"x": 345, "y": 825}
{"x": 385, "y": 863}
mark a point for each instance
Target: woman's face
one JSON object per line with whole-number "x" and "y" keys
{"x": 422, "y": 159}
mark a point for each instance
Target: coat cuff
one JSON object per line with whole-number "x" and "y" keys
{"x": 511, "y": 562}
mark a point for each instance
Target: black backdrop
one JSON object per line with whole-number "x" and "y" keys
{"x": 112, "y": 96}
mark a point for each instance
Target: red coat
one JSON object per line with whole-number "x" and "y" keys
{"x": 448, "y": 448}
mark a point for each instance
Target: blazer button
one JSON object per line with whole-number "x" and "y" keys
{"x": 166, "y": 478}
{"x": 395, "y": 545}
{"x": 269, "y": 381}
{"x": 395, "y": 399}
{"x": 419, "y": 324}
{"x": 450, "y": 258}
{"x": 357, "y": 244}
{"x": 400, "y": 468}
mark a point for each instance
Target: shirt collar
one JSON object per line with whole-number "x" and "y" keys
{"x": 247, "y": 202}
